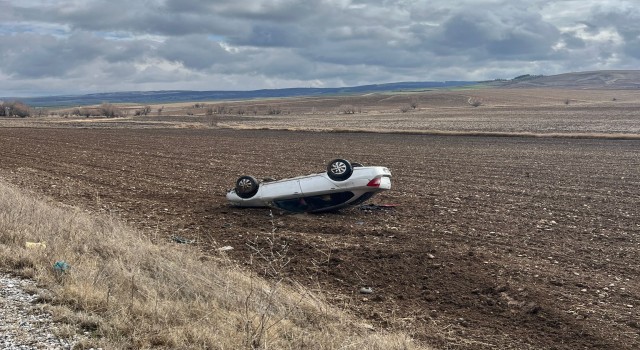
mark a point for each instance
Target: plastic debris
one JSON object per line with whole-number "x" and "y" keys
{"x": 225, "y": 248}
{"x": 182, "y": 240}
{"x": 61, "y": 267}
{"x": 366, "y": 290}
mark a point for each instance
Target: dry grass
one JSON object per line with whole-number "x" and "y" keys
{"x": 130, "y": 293}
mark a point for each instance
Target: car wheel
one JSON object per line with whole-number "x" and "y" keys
{"x": 339, "y": 169}
{"x": 246, "y": 186}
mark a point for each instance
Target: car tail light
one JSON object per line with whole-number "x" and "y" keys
{"x": 374, "y": 183}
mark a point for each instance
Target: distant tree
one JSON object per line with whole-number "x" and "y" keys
{"x": 274, "y": 110}
{"x": 522, "y": 76}
{"x": 41, "y": 112}
{"x": 220, "y": 109}
{"x": 110, "y": 111}
{"x": 144, "y": 111}
{"x": 15, "y": 109}
{"x": 527, "y": 77}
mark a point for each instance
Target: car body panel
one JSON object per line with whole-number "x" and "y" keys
{"x": 317, "y": 192}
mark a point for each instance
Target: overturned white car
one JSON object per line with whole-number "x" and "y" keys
{"x": 343, "y": 184}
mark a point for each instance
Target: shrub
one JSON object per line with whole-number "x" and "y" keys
{"x": 41, "y": 112}
{"x": 347, "y": 109}
{"x": 474, "y": 102}
{"x": 220, "y": 109}
{"x": 274, "y": 110}
{"x": 144, "y": 111}
{"x": 110, "y": 111}
{"x": 15, "y": 109}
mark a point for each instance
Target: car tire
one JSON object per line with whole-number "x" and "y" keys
{"x": 246, "y": 186}
{"x": 339, "y": 169}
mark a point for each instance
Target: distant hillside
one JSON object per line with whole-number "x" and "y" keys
{"x": 155, "y": 97}
{"x": 605, "y": 79}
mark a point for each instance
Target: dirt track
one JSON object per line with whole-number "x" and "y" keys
{"x": 516, "y": 243}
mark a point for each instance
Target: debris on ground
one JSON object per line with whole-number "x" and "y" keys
{"x": 371, "y": 207}
{"x": 182, "y": 240}
{"x": 61, "y": 267}
{"x": 225, "y": 248}
{"x": 366, "y": 290}
{"x": 35, "y": 245}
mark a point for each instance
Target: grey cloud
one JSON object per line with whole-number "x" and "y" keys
{"x": 273, "y": 10}
{"x": 31, "y": 55}
{"x": 189, "y": 6}
{"x": 127, "y": 50}
{"x": 132, "y": 17}
{"x": 625, "y": 21}
{"x": 484, "y": 34}
{"x": 632, "y": 48}
{"x": 275, "y": 36}
{"x": 195, "y": 51}
{"x": 572, "y": 41}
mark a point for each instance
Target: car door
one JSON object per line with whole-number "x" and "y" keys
{"x": 315, "y": 185}
{"x": 281, "y": 189}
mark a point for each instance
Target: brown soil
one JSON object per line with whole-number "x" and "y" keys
{"x": 509, "y": 243}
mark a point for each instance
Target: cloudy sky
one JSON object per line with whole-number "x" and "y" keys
{"x": 52, "y": 47}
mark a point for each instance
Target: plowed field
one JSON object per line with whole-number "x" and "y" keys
{"x": 521, "y": 243}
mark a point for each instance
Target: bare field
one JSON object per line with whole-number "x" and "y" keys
{"x": 524, "y": 112}
{"x": 509, "y": 243}
{"x": 503, "y": 112}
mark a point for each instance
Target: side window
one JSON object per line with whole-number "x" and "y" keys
{"x": 296, "y": 205}
{"x": 299, "y": 205}
{"x": 327, "y": 200}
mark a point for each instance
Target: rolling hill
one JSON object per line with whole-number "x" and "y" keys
{"x": 156, "y": 97}
{"x": 605, "y": 79}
